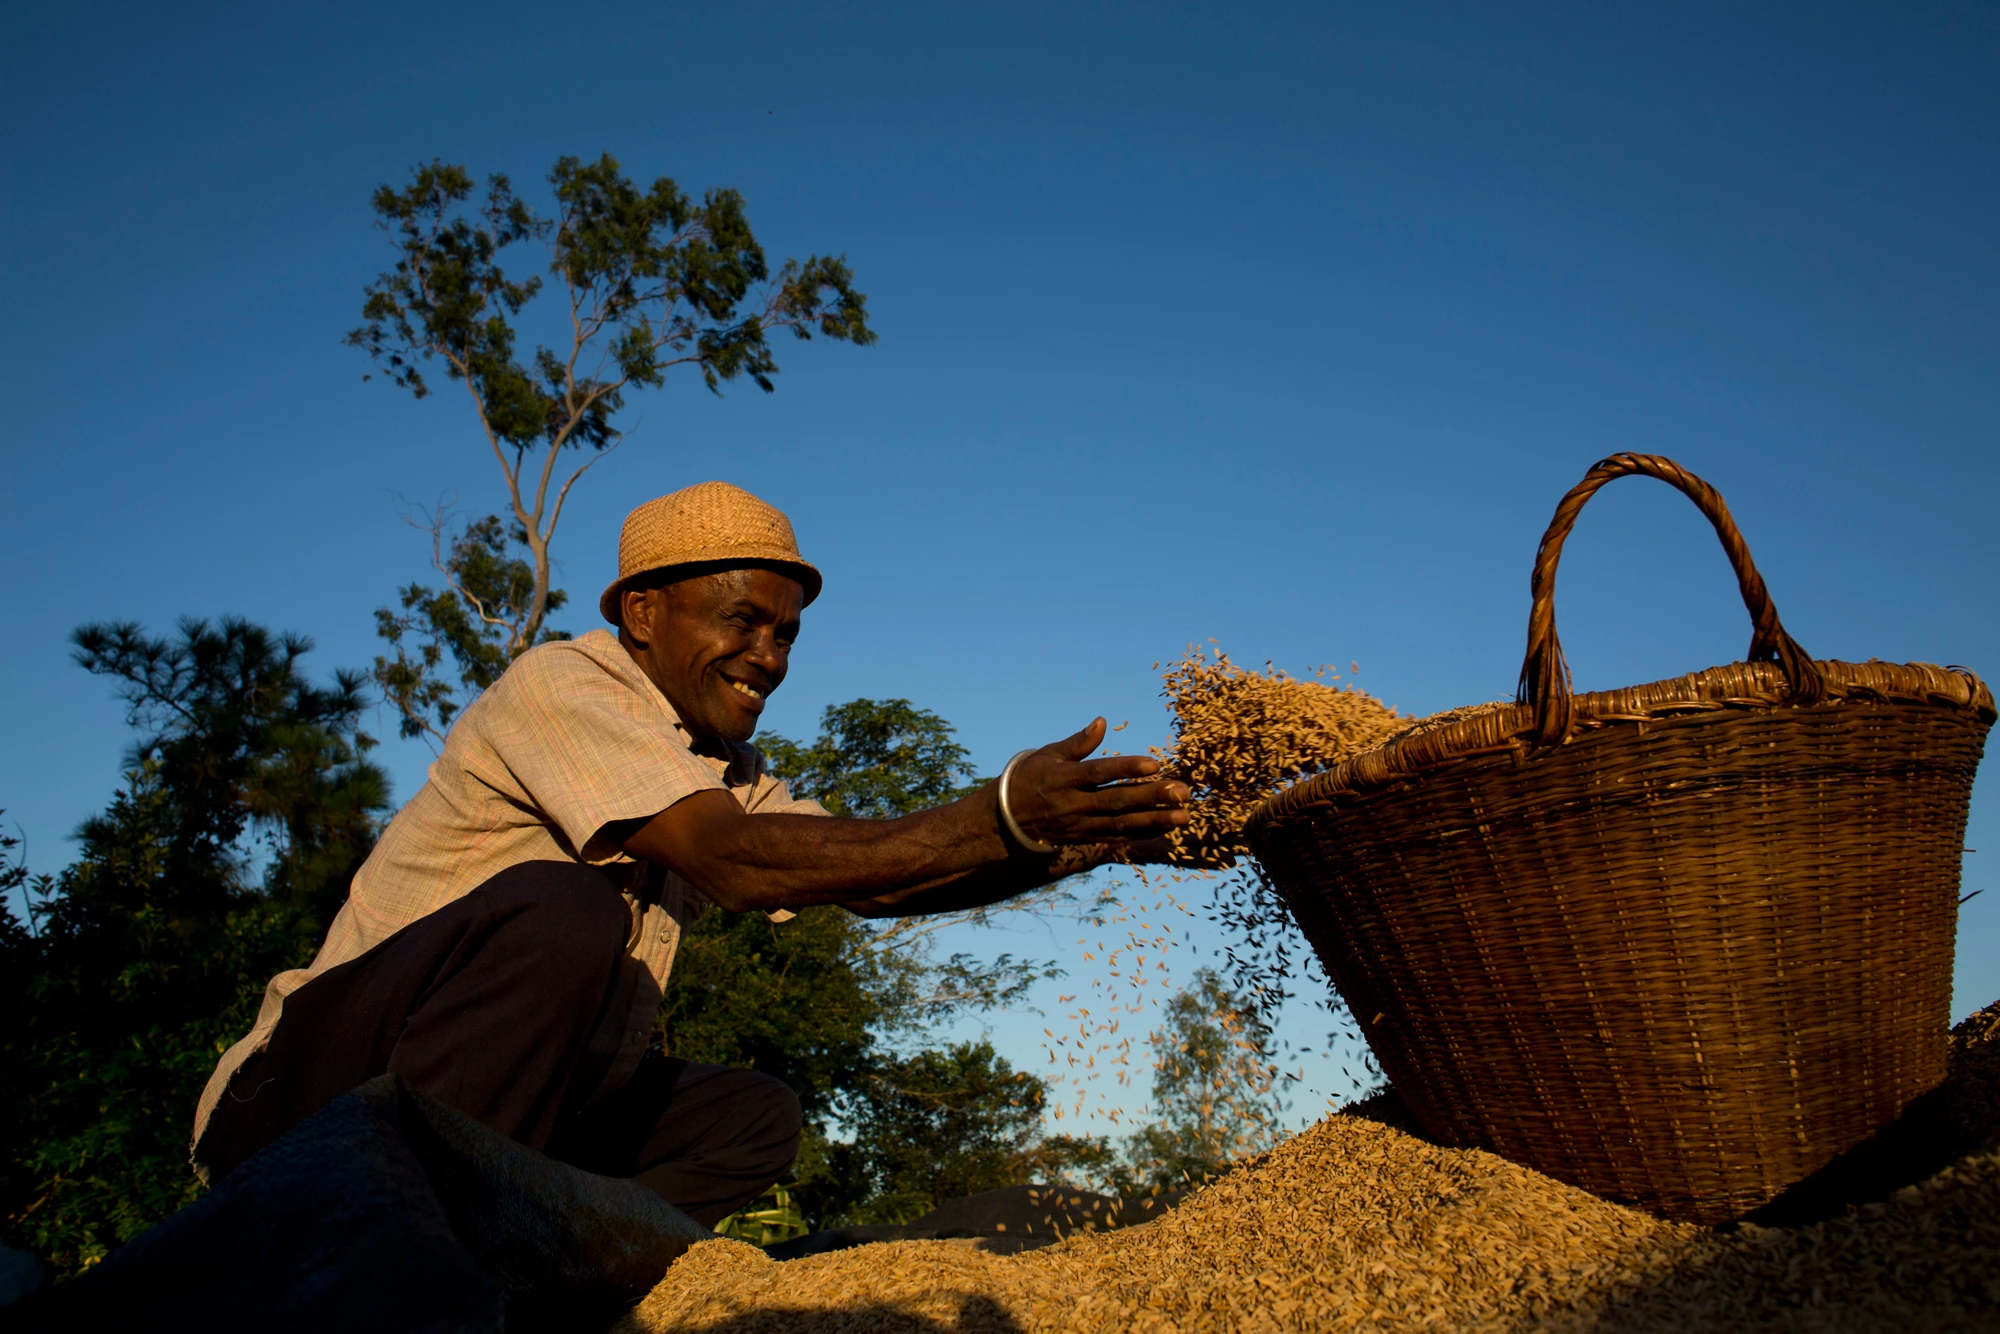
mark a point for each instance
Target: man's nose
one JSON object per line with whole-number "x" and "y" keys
{"x": 767, "y": 652}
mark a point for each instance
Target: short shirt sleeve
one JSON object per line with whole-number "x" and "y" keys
{"x": 770, "y": 796}
{"x": 588, "y": 747}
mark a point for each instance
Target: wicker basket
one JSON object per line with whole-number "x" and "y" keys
{"x": 1679, "y": 944}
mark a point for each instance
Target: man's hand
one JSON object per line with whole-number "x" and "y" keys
{"x": 1060, "y": 795}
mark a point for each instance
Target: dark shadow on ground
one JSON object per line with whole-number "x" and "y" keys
{"x": 1926, "y": 1259}
{"x": 976, "y": 1315}
{"x": 1959, "y": 1117}
{"x": 1901, "y": 1233}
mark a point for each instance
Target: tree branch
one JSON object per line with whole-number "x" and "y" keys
{"x": 555, "y": 516}
{"x": 452, "y": 581}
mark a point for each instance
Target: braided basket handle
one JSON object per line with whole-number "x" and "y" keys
{"x": 1545, "y": 679}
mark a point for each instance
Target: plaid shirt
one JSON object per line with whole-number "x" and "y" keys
{"x": 574, "y": 737}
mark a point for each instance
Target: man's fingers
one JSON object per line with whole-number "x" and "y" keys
{"x": 1078, "y": 745}
{"x": 1128, "y": 826}
{"x": 1112, "y": 769}
{"x": 1133, "y": 797}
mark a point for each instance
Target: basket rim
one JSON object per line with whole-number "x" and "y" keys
{"x": 1510, "y": 728}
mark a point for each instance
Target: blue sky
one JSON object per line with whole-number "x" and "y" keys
{"x": 1285, "y": 325}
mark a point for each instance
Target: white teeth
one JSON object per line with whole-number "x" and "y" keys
{"x": 753, "y": 694}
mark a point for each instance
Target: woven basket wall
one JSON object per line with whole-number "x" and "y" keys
{"x": 1679, "y": 944}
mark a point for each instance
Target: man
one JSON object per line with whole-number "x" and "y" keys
{"x": 504, "y": 947}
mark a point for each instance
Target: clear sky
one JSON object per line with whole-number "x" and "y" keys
{"x": 1285, "y": 325}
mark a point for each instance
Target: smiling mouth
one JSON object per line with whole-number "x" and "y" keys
{"x": 743, "y": 689}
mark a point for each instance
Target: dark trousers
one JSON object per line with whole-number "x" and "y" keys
{"x": 489, "y": 1005}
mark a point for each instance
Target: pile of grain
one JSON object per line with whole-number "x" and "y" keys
{"x": 1355, "y": 1223}
{"x": 1240, "y": 735}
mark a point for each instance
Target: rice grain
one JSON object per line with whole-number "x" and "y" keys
{"x": 1355, "y": 1224}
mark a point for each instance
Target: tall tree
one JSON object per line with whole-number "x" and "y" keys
{"x": 252, "y": 755}
{"x": 646, "y": 281}
{"x": 248, "y": 802}
{"x": 1216, "y": 1090}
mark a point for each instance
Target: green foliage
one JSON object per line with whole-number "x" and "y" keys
{"x": 487, "y": 593}
{"x": 654, "y": 277}
{"x": 938, "y": 1125}
{"x": 647, "y": 279}
{"x": 447, "y": 295}
{"x": 770, "y": 1218}
{"x": 1075, "y": 1161}
{"x": 875, "y": 759}
{"x": 140, "y": 962}
{"x": 17, "y": 969}
{"x": 803, "y": 1001}
{"x": 246, "y": 746}
{"x": 927, "y": 1128}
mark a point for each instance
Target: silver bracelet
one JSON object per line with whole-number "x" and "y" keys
{"x": 1007, "y": 819}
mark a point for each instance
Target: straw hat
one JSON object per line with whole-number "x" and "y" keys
{"x": 712, "y": 521}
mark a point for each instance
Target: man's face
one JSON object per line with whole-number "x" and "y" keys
{"x": 716, "y": 645}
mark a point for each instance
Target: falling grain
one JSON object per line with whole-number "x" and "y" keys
{"x": 1240, "y": 735}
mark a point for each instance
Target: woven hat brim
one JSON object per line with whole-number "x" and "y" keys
{"x": 807, "y": 574}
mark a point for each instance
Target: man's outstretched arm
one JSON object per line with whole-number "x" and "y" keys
{"x": 939, "y": 860}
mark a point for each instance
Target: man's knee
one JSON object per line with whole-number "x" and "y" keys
{"x": 772, "y": 1123}
{"x": 779, "y": 1106}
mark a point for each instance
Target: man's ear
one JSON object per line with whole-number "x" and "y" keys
{"x": 637, "y": 608}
